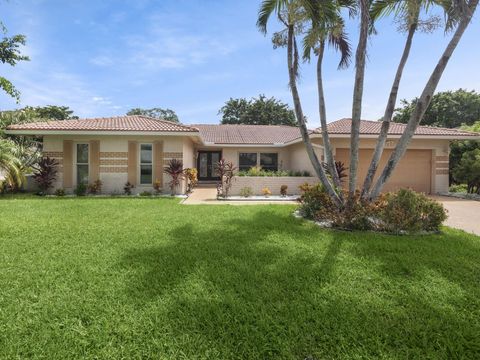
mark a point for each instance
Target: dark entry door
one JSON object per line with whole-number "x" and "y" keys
{"x": 206, "y": 164}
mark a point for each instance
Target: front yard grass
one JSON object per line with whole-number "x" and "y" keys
{"x": 150, "y": 278}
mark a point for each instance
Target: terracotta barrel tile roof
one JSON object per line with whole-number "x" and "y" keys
{"x": 117, "y": 123}
{"x": 248, "y": 134}
{"x": 368, "y": 127}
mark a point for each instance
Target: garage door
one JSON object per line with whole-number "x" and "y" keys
{"x": 413, "y": 171}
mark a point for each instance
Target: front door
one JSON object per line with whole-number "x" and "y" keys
{"x": 207, "y": 163}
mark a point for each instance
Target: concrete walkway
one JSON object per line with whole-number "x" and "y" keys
{"x": 462, "y": 214}
{"x": 208, "y": 196}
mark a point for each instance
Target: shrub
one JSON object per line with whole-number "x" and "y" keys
{"x": 127, "y": 188}
{"x": 283, "y": 190}
{"x": 266, "y": 191}
{"x": 306, "y": 173}
{"x": 175, "y": 170}
{"x": 192, "y": 177}
{"x": 80, "y": 190}
{"x": 258, "y": 171}
{"x": 404, "y": 211}
{"x": 157, "y": 186}
{"x": 60, "y": 192}
{"x": 341, "y": 170}
{"x": 145, "y": 193}
{"x": 225, "y": 171}
{"x": 313, "y": 200}
{"x": 246, "y": 191}
{"x": 96, "y": 187}
{"x": 460, "y": 188}
{"x": 410, "y": 212}
{"x": 45, "y": 174}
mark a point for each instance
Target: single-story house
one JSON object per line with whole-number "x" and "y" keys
{"x": 136, "y": 149}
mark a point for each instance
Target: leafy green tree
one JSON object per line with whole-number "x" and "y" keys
{"x": 449, "y": 109}
{"x": 257, "y": 111}
{"x": 157, "y": 113}
{"x": 460, "y": 147}
{"x": 52, "y": 112}
{"x": 10, "y": 54}
{"x": 468, "y": 171}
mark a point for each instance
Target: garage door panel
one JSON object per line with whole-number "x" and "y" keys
{"x": 413, "y": 170}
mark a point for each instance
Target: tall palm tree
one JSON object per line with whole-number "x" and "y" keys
{"x": 291, "y": 13}
{"x": 358, "y": 93}
{"x": 10, "y": 164}
{"x": 408, "y": 12}
{"x": 461, "y": 13}
{"x": 333, "y": 32}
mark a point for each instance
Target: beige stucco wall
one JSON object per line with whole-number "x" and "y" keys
{"x": 113, "y": 157}
{"x": 272, "y": 183}
{"x": 299, "y": 160}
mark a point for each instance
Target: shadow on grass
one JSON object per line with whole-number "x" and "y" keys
{"x": 270, "y": 286}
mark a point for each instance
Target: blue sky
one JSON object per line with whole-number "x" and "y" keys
{"x": 104, "y": 57}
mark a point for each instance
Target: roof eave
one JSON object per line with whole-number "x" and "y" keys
{"x": 38, "y": 132}
{"x": 396, "y": 136}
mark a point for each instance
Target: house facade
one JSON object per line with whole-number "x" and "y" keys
{"x": 136, "y": 149}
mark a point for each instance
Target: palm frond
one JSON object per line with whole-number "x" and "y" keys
{"x": 267, "y": 8}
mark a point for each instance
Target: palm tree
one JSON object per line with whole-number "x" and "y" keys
{"x": 459, "y": 12}
{"x": 10, "y": 164}
{"x": 358, "y": 93}
{"x": 332, "y": 31}
{"x": 408, "y": 12}
{"x": 291, "y": 13}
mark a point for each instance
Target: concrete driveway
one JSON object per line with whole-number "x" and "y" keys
{"x": 462, "y": 214}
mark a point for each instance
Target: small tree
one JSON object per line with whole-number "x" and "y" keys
{"x": 225, "y": 170}
{"x": 468, "y": 171}
{"x": 175, "y": 170}
{"x": 46, "y": 174}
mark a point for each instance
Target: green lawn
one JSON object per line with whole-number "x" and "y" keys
{"x": 150, "y": 278}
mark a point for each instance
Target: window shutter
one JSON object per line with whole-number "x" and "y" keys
{"x": 132, "y": 162}
{"x": 94, "y": 173}
{"x": 158, "y": 161}
{"x": 67, "y": 164}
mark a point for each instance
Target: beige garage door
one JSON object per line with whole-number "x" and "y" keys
{"x": 413, "y": 171}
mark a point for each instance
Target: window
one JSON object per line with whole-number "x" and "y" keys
{"x": 247, "y": 160}
{"x": 269, "y": 161}
{"x": 82, "y": 163}
{"x": 146, "y": 164}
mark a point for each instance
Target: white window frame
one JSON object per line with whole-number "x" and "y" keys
{"x": 258, "y": 156}
{"x": 140, "y": 164}
{"x": 77, "y": 163}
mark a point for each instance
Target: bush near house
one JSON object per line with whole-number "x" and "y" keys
{"x": 258, "y": 171}
{"x": 404, "y": 211}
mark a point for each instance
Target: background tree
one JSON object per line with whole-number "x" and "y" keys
{"x": 449, "y": 109}
{"x": 10, "y": 54}
{"x": 460, "y": 147}
{"x": 157, "y": 113}
{"x": 467, "y": 171}
{"x": 257, "y": 111}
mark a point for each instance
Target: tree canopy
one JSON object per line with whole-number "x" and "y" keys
{"x": 157, "y": 113}
{"x": 449, "y": 109}
{"x": 257, "y": 111}
{"x": 10, "y": 54}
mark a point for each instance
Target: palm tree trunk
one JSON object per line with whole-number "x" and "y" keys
{"x": 357, "y": 95}
{"x": 424, "y": 100}
{"x": 387, "y": 117}
{"x": 323, "y": 118}
{"x": 292, "y": 73}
